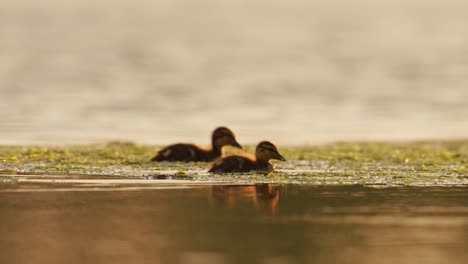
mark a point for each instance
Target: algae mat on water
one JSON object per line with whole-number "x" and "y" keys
{"x": 367, "y": 163}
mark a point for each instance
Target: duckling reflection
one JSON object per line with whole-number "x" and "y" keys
{"x": 261, "y": 196}
{"x": 222, "y": 136}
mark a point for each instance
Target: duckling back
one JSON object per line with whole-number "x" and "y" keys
{"x": 233, "y": 163}
{"x": 183, "y": 152}
{"x": 221, "y": 136}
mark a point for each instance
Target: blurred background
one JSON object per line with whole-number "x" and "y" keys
{"x": 295, "y": 72}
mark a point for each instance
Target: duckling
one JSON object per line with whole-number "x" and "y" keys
{"x": 222, "y": 136}
{"x": 264, "y": 152}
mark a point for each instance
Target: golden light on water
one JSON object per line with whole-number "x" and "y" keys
{"x": 294, "y": 72}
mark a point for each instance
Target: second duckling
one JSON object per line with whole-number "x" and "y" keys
{"x": 264, "y": 152}
{"x": 222, "y": 136}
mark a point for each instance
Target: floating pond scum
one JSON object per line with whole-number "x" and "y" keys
{"x": 383, "y": 164}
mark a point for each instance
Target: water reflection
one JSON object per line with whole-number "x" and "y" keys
{"x": 237, "y": 224}
{"x": 262, "y": 196}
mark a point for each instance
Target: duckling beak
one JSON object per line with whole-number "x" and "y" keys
{"x": 236, "y": 144}
{"x": 279, "y": 157}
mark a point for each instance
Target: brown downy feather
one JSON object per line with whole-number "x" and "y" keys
{"x": 265, "y": 152}
{"x": 221, "y": 137}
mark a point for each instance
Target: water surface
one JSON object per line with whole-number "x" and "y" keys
{"x": 294, "y": 72}
{"x": 233, "y": 224}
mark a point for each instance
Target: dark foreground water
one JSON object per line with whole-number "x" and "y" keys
{"x": 234, "y": 224}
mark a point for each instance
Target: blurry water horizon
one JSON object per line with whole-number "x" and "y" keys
{"x": 295, "y": 72}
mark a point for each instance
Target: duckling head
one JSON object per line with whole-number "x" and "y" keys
{"x": 267, "y": 151}
{"x": 223, "y": 136}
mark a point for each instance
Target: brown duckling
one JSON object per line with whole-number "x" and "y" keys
{"x": 264, "y": 152}
{"x": 222, "y": 136}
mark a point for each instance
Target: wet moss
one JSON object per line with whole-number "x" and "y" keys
{"x": 340, "y": 163}
{"x": 180, "y": 173}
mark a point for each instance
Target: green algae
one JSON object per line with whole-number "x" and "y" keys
{"x": 338, "y": 163}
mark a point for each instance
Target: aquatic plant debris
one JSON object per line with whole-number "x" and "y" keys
{"x": 342, "y": 163}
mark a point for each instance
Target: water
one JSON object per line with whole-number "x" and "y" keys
{"x": 233, "y": 224}
{"x": 294, "y": 72}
